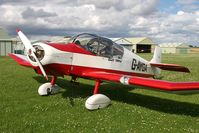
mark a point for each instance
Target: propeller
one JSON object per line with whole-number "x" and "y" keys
{"x": 31, "y": 50}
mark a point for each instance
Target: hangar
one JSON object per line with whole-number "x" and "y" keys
{"x": 6, "y": 43}
{"x": 122, "y": 41}
{"x": 175, "y": 48}
{"x": 137, "y": 44}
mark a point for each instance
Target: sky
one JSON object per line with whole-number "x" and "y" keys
{"x": 161, "y": 20}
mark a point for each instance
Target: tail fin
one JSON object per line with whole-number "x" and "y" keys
{"x": 156, "y": 63}
{"x": 157, "y": 55}
{"x": 156, "y": 59}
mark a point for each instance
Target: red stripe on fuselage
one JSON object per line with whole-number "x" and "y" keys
{"x": 70, "y": 47}
{"x": 62, "y": 69}
{"x": 80, "y": 70}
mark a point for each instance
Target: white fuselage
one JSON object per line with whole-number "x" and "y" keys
{"x": 130, "y": 63}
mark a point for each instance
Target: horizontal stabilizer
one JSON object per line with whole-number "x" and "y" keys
{"x": 21, "y": 59}
{"x": 170, "y": 67}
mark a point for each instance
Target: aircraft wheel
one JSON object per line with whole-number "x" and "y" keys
{"x": 45, "y": 89}
{"x": 97, "y": 101}
{"x": 48, "y": 89}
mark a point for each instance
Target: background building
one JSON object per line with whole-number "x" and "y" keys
{"x": 194, "y": 50}
{"x": 176, "y": 48}
{"x": 122, "y": 41}
{"x": 6, "y": 43}
{"x": 137, "y": 44}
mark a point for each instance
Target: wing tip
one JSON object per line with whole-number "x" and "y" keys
{"x": 20, "y": 60}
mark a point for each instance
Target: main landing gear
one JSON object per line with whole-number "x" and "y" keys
{"x": 97, "y": 101}
{"x": 49, "y": 88}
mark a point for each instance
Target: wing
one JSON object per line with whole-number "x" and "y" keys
{"x": 146, "y": 82}
{"x": 171, "y": 67}
{"x": 21, "y": 59}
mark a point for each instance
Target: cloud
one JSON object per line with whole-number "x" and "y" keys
{"x": 31, "y": 13}
{"x": 114, "y": 18}
{"x": 189, "y": 5}
{"x": 184, "y": 2}
{"x": 138, "y": 7}
{"x": 22, "y": 2}
{"x": 168, "y": 27}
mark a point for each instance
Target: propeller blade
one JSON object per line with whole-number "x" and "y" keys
{"x": 29, "y": 46}
{"x": 40, "y": 66}
{"x": 25, "y": 40}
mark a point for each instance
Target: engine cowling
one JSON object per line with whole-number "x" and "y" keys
{"x": 45, "y": 53}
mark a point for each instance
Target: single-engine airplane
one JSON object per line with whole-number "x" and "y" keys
{"x": 94, "y": 57}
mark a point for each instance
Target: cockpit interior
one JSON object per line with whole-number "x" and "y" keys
{"x": 99, "y": 46}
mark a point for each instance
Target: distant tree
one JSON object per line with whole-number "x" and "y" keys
{"x": 191, "y": 46}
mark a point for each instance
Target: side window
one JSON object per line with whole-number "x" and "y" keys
{"x": 92, "y": 46}
{"x": 117, "y": 51}
{"x": 105, "y": 48}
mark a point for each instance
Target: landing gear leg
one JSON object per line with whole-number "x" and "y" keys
{"x": 97, "y": 85}
{"x": 49, "y": 88}
{"x": 97, "y": 101}
{"x": 74, "y": 80}
{"x": 53, "y": 80}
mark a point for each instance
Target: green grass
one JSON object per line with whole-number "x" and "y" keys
{"x": 132, "y": 109}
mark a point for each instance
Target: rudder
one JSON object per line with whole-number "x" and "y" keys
{"x": 157, "y": 55}
{"x": 156, "y": 59}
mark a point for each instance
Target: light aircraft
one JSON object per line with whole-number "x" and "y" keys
{"x": 98, "y": 58}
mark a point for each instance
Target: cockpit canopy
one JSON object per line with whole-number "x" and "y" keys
{"x": 98, "y": 45}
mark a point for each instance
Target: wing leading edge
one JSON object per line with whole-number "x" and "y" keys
{"x": 145, "y": 82}
{"x": 21, "y": 59}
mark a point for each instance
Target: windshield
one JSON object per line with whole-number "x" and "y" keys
{"x": 98, "y": 45}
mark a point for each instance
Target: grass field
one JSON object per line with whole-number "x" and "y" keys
{"x": 132, "y": 109}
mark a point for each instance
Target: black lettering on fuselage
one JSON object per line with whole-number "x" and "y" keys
{"x": 134, "y": 65}
{"x": 138, "y": 66}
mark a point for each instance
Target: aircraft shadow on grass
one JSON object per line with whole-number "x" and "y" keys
{"x": 121, "y": 93}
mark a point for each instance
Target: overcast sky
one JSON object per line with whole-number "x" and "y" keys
{"x": 161, "y": 20}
